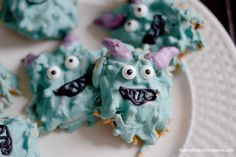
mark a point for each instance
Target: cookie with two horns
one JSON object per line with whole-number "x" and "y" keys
{"x": 135, "y": 90}
{"x": 157, "y": 23}
{"x": 61, "y": 84}
{"x": 40, "y": 19}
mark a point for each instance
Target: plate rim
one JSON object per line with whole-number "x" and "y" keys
{"x": 230, "y": 44}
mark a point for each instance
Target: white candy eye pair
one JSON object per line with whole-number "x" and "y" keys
{"x": 140, "y": 10}
{"x": 129, "y": 72}
{"x": 54, "y": 72}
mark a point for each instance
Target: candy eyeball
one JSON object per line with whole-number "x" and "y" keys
{"x": 54, "y": 72}
{"x": 131, "y": 25}
{"x": 129, "y": 72}
{"x": 71, "y": 62}
{"x": 147, "y": 72}
{"x": 140, "y": 10}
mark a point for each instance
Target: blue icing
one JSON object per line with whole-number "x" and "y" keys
{"x": 67, "y": 98}
{"x": 8, "y": 87}
{"x": 129, "y": 114}
{"x": 178, "y": 29}
{"x": 18, "y": 138}
{"x": 40, "y": 19}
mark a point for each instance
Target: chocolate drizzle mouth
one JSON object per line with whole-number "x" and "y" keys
{"x": 138, "y": 96}
{"x": 74, "y": 87}
{"x": 32, "y": 2}
{"x": 157, "y": 29}
{"x": 5, "y": 140}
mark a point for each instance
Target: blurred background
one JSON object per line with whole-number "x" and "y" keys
{"x": 225, "y": 11}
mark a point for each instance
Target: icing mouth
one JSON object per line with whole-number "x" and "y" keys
{"x": 5, "y": 140}
{"x": 157, "y": 29}
{"x": 74, "y": 87}
{"x": 35, "y": 2}
{"x": 138, "y": 96}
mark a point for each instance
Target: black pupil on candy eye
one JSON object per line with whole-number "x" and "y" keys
{"x": 53, "y": 72}
{"x": 129, "y": 72}
{"x": 148, "y": 71}
{"x": 70, "y": 60}
{"x": 139, "y": 9}
{"x": 129, "y": 23}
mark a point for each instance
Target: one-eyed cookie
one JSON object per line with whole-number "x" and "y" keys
{"x": 135, "y": 90}
{"x": 8, "y": 87}
{"x": 61, "y": 83}
{"x": 40, "y": 19}
{"x": 157, "y": 23}
{"x": 18, "y": 138}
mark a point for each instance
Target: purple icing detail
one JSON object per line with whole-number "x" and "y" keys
{"x": 6, "y": 145}
{"x": 163, "y": 57}
{"x": 70, "y": 39}
{"x": 29, "y": 59}
{"x": 110, "y": 21}
{"x": 117, "y": 48}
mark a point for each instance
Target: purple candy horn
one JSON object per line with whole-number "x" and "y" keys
{"x": 70, "y": 39}
{"x": 110, "y": 21}
{"x": 28, "y": 60}
{"x": 163, "y": 57}
{"x": 117, "y": 48}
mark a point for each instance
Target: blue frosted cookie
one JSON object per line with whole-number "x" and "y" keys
{"x": 135, "y": 90}
{"x": 18, "y": 138}
{"x": 8, "y": 87}
{"x": 156, "y": 23}
{"x": 61, "y": 83}
{"x": 40, "y": 19}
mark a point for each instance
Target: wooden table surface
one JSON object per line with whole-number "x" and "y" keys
{"x": 225, "y": 11}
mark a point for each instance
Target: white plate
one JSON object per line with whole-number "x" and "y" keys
{"x": 204, "y": 98}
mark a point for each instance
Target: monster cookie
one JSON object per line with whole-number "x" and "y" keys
{"x": 61, "y": 83}
{"x": 135, "y": 90}
{"x": 18, "y": 138}
{"x": 40, "y": 19}
{"x": 8, "y": 86}
{"x": 157, "y": 23}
